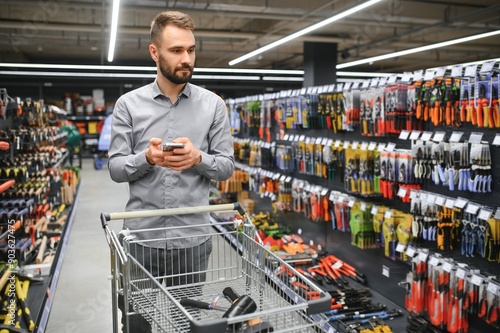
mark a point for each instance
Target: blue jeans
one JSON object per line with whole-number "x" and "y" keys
{"x": 161, "y": 262}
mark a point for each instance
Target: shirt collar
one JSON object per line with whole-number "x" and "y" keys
{"x": 155, "y": 90}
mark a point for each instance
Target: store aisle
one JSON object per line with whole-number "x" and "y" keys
{"x": 82, "y": 302}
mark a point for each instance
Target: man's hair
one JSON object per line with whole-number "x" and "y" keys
{"x": 163, "y": 19}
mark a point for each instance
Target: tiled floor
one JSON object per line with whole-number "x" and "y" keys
{"x": 82, "y": 302}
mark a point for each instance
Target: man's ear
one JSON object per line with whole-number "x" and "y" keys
{"x": 153, "y": 51}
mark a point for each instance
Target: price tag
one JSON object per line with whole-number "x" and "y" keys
{"x": 422, "y": 256}
{"x": 496, "y": 140}
{"x": 392, "y": 79}
{"x": 487, "y": 67}
{"x": 381, "y": 147}
{"x": 372, "y": 146}
{"x": 475, "y": 137}
{"x": 471, "y": 70}
{"x": 447, "y": 267}
{"x": 346, "y": 144}
{"x": 418, "y": 75}
{"x": 492, "y": 288}
{"x": 332, "y": 196}
{"x": 410, "y": 251}
{"x": 485, "y": 214}
{"x": 386, "y": 271}
{"x": 415, "y": 135}
{"x": 340, "y": 198}
{"x": 337, "y": 143}
{"x": 402, "y": 192}
{"x": 461, "y": 202}
{"x": 362, "y": 206}
{"x": 461, "y": 273}
{"x": 429, "y": 74}
{"x": 354, "y": 145}
{"x": 477, "y": 280}
{"x": 404, "y": 135}
{"x": 351, "y": 202}
{"x": 497, "y": 214}
{"x": 319, "y": 140}
{"x": 433, "y": 261}
{"x": 400, "y": 247}
{"x": 285, "y": 137}
{"x": 456, "y": 71}
{"x": 388, "y": 214}
{"x": 456, "y": 136}
{"x": 302, "y": 137}
{"x": 440, "y": 200}
{"x": 439, "y": 136}
{"x": 390, "y": 146}
{"x": 374, "y": 210}
{"x": 472, "y": 208}
{"x": 406, "y": 77}
{"x": 450, "y": 203}
{"x": 426, "y": 136}
{"x": 440, "y": 72}
{"x": 413, "y": 194}
{"x": 288, "y": 179}
{"x": 431, "y": 198}
{"x": 366, "y": 84}
{"x": 364, "y": 145}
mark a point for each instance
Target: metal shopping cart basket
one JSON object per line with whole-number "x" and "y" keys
{"x": 256, "y": 290}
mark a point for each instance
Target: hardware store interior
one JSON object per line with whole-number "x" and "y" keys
{"x": 366, "y": 160}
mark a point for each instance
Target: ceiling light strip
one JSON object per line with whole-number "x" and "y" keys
{"x": 151, "y": 68}
{"x": 418, "y": 49}
{"x": 114, "y": 28}
{"x": 304, "y": 31}
{"x": 127, "y": 75}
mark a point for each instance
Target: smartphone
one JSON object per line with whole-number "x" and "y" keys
{"x": 169, "y": 146}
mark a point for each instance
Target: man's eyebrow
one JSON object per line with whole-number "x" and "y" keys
{"x": 182, "y": 47}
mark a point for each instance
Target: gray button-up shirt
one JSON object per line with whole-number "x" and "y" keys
{"x": 144, "y": 113}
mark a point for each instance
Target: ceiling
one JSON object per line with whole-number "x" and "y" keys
{"x": 77, "y": 31}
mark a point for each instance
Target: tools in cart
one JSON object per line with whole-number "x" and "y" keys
{"x": 239, "y": 306}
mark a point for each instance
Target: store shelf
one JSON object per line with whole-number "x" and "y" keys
{"x": 40, "y": 295}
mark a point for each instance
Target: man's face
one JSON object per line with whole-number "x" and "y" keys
{"x": 175, "y": 56}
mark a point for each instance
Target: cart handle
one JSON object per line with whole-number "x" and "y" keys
{"x": 106, "y": 217}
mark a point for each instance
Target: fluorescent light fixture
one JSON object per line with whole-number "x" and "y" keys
{"x": 79, "y": 74}
{"x": 363, "y": 74}
{"x": 226, "y": 77}
{"x": 127, "y": 75}
{"x": 282, "y": 78}
{"x": 250, "y": 71}
{"x": 418, "y": 49}
{"x": 152, "y": 68}
{"x": 114, "y": 28}
{"x": 304, "y": 31}
{"x": 82, "y": 67}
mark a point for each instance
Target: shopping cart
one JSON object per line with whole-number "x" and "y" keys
{"x": 277, "y": 297}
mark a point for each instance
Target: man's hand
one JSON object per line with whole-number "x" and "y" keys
{"x": 179, "y": 159}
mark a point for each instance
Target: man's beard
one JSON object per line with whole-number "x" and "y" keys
{"x": 171, "y": 74}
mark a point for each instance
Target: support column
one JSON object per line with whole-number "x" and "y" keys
{"x": 320, "y": 60}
